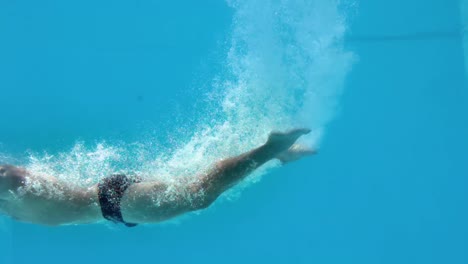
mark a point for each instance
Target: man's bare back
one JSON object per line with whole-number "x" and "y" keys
{"x": 49, "y": 201}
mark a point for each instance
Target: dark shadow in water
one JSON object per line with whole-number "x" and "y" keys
{"x": 417, "y": 36}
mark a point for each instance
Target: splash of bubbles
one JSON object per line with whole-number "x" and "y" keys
{"x": 81, "y": 165}
{"x": 285, "y": 68}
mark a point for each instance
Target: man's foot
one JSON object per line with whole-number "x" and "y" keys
{"x": 282, "y": 141}
{"x": 295, "y": 152}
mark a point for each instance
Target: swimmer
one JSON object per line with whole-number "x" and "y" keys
{"x": 128, "y": 200}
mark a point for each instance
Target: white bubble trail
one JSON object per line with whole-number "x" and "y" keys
{"x": 286, "y": 68}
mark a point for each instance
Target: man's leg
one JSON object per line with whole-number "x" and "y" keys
{"x": 11, "y": 178}
{"x": 231, "y": 171}
{"x": 157, "y": 201}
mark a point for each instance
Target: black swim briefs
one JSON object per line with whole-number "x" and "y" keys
{"x": 110, "y": 192}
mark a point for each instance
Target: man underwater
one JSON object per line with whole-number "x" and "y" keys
{"x": 121, "y": 199}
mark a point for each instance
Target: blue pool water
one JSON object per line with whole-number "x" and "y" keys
{"x": 164, "y": 88}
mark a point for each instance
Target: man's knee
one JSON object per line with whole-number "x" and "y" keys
{"x": 202, "y": 202}
{"x": 11, "y": 178}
